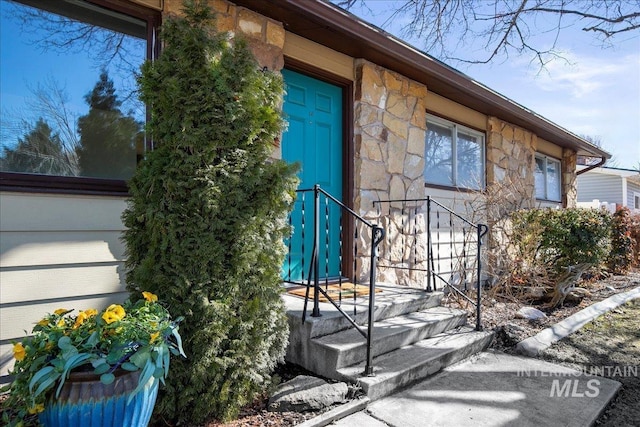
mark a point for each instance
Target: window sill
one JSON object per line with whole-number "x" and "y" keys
{"x": 31, "y": 183}
{"x": 449, "y": 188}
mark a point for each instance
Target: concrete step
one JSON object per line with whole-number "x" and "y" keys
{"x": 348, "y": 347}
{"x": 404, "y": 366}
{"x": 390, "y": 302}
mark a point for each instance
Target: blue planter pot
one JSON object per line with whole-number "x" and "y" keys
{"x": 85, "y": 402}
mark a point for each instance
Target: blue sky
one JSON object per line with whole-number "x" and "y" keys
{"x": 595, "y": 92}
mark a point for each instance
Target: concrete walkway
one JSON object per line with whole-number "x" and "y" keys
{"x": 494, "y": 389}
{"x": 532, "y": 346}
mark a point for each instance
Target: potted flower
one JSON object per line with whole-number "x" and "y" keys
{"x": 82, "y": 366}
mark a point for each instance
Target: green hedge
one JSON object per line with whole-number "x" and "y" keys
{"x": 558, "y": 238}
{"x": 621, "y": 257}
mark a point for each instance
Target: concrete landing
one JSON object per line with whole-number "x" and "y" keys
{"x": 494, "y": 389}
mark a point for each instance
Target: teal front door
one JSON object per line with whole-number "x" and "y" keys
{"x": 313, "y": 109}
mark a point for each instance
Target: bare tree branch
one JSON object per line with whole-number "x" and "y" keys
{"x": 507, "y": 27}
{"x": 50, "y": 100}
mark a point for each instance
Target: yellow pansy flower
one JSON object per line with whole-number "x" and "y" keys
{"x": 60, "y": 323}
{"x": 154, "y": 336}
{"x": 150, "y": 297}
{"x": 60, "y": 311}
{"x": 39, "y": 407}
{"x": 110, "y": 317}
{"x": 113, "y": 313}
{"x": 43, "y": 322}
{"x": 117, "y": 309}
{"x": 90, "y": 312}
{"x": 80, "y": 320}
{"x": 18, "y": 351}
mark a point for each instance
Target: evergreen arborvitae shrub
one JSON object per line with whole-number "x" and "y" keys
{"x": 207, "y": 216}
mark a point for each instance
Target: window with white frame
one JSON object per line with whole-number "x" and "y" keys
{"x": 548, "y": 178}
{"x": 454, "y": 155}
{"x": 636, "y": 200}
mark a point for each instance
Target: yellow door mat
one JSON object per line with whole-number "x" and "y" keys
{"x": 348, "y": 289}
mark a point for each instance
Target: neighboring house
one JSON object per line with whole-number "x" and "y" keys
{"x": 617, "y": 186}
{"x": 370, "y": 118}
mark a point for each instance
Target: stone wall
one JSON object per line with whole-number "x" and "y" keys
{"x": 510, "y": 161}
{"x": 569, "y": 178}
{"x": 390, "y": 126}
{"x": 265, "y": 36}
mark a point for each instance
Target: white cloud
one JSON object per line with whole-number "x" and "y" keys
{"x": 582, "y": 76}
{"x": 598, "y": 96}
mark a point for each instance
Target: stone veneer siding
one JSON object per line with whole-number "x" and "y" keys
{"x": 390, "y": 129}
{"x": 569, "y": 178}
{"x": 510, "y": 158}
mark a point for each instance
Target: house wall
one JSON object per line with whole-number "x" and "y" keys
{"x": 549, "y": 149}
{"x": 633, "y": 189}
{"x": 593, "y": 185}
{"x": 316, "y": 55}
{"x": 56, "y": 252}
{"x": 569, "y": 188}
{"x": 390, "y": 126}
{"x": 441, "y": 106}
{"x": 64, "y": 250}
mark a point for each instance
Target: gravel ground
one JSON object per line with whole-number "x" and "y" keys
{"x": 499, "y": 312}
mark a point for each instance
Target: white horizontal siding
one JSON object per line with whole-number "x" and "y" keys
{"x": 632, "y": 190}
{"x": 39, "y": 212}
{"x": 56, "y": 251}
{"x": 66, "y": 282}
{"x": 464, "y": 204}
{"x": 39, "y": 248}
{"x": 594, "y": 186}
{"x": 548, "y": 204}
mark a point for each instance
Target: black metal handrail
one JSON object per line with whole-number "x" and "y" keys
{"x": 313, "y": 279}
{"x": 447, "y": 226}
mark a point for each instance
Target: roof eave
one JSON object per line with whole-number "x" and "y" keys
{"x": 327, "y": 24}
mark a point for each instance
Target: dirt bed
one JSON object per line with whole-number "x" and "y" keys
{"x": 499, "y": 312}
